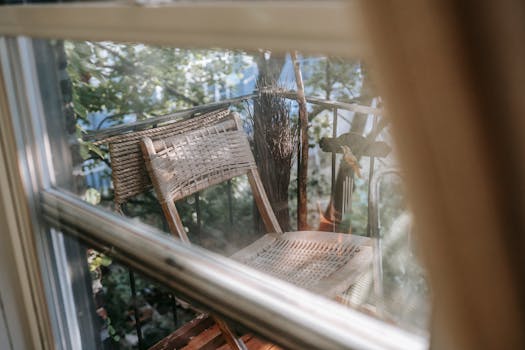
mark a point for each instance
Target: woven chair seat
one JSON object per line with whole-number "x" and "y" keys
{"x": 322, "y": 262}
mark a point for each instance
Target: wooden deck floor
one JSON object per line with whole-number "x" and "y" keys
{"x": 203, "y": 334}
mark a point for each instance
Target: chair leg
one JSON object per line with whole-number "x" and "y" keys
{"x": 234, "y": 342}
{"x": 133, "y": 287}
{"x": 174, "y": 221}
{"x": 176, "y": 227}
{"x": 173, "y": 301}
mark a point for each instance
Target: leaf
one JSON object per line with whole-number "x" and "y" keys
{"x": 79, "y": 109}
{"x": 92, "y": 196}
{"x": 79, "y": 131}
{"x": 87, "y": 147}
{"x": 84, "y": 151}
{"x": 105, "y": 261}
{"x": 95, "y": 150}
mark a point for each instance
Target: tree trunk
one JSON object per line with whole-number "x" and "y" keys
{"x": 302, "y": 176}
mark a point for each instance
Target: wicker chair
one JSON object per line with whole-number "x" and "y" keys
{"x": 180, "y": 165}
{"x": 130, "y": 177}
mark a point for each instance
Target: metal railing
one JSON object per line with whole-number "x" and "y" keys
{"x": 100, "y": 135}
{"x": 375, "y": 232}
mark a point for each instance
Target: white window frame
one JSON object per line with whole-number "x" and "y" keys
{"x": 288, "y": 315}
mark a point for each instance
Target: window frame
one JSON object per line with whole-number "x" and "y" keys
{"x": 43, "y": 250}
{"x": 317, "y": 322}
{"x": 331, "y": 27}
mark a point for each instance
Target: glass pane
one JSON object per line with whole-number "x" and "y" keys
{"x": 130, "y": 311}
{"x": 350, "y": 231}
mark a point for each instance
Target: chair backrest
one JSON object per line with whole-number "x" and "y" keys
{"x": 129, "y": 173}
{"x": 189, "y": 162}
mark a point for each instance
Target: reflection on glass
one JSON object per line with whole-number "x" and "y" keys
{"x": 115, "y": 95}
{"x": 128, "y": 303}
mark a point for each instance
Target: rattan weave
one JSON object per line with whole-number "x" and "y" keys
{"x": 129, "y": 173}
{"x": 326, "y": 263}
{"x": 186, "y": 164}
{"x": 300, "y": 261}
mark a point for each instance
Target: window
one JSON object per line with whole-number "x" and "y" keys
{"x": 67, "y": 98}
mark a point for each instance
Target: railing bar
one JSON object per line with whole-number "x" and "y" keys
{"x": 298, "y": 157}
{"x": 370, "y": 177}
{"x": 138, "y": 325}
{"x": 144, "y": 124}
{"x": 198, "y": 212}
{"x": 230, "y": 203}
{"x": 375, "y": 232}
{"x": 188, "y": 113}
{"x": 174, "y": 309}
{"x": 353, "y": 107}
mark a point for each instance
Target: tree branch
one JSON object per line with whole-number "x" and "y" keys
{"x": 111, "y": 117}
{"x": 124, "y": 59}
{"x": 183, "y": 97}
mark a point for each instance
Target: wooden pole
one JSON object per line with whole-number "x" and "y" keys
{"x": 331, "y": 215}
{"x": 302, "y": 203}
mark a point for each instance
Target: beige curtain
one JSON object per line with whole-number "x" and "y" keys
{"x": 453, "y": 77}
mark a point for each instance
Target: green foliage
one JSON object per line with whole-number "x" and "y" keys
{"x": 87, "y": 147}
{"x": 215, "y": 231}
{"x": 97, "y": 259}
{"x": 92, "y": 196}
{"x": 111, "y": 330}
{"x": 334, "y": 78}
{"x": 121, "y": 79}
